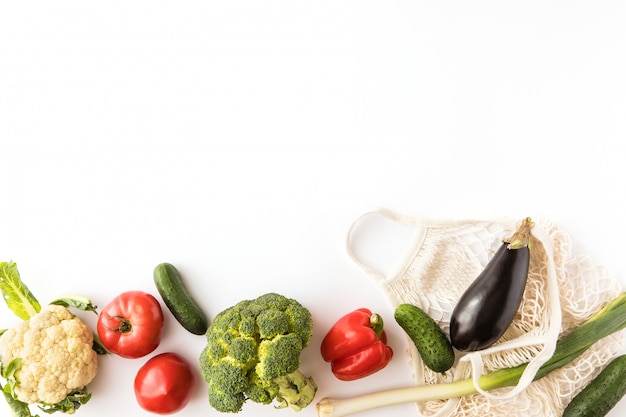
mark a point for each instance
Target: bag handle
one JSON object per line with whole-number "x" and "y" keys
{"x": 378, "y": 276}
{"x": 403, "y": 219}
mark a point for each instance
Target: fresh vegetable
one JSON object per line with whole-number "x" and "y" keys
{"x": 131, "y": 324}
{"x": 610, "y": 319}
{"x": 15, "y": 293}
{"x": 487, "y": 307}
{"x": 356, "y": 345}
{"x": 253, "y": 352}
{"x": 601, "y": 394}
{"x": 431, "y": 342}
{"x": 48, "y": 359}
{"x": 52, "y": 355}
{"x": 178, "y": 300}
{"x": 164, "y": 384}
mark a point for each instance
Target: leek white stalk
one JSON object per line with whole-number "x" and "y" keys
{"x": 610, "y": 319}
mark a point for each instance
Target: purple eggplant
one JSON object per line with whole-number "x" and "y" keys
{"x": 488, "y": 306}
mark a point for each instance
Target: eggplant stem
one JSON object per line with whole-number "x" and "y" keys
{"x": 521, "y": 238}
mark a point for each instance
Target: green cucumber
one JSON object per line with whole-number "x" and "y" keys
{"x": 431, "y": 342}
{"x": 178, "y": 300}
{"x": 601, "y": 394}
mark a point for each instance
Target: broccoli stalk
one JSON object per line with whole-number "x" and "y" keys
{"x": 295, "y": 390}
{"x": 253, "y": 353}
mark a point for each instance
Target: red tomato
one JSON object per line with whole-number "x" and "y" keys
{"x": 165, "y": 384}
{"x": 131, "y": 324}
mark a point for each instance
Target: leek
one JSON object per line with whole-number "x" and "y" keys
{"x": 610, "y": 319}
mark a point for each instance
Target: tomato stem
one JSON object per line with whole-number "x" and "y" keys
{"x": 123, "y": 325}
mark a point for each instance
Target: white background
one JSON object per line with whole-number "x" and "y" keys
{"x": 239, "y": 140}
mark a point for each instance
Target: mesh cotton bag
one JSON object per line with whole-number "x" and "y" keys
{"x": 562, "y": 292}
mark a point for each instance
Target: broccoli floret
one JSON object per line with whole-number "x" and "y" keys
{"x": 223, "y": 401}
{"x": 253, "y": 353}
{"x": 272, "y": 323}
{"x": 261, "y": 390}
{"x": 300, "y": 322}
{"x": 281, "y": 355}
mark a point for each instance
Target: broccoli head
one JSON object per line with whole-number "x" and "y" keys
{"x": 253, "y": 353}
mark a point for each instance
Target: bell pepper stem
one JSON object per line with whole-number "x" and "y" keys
{"x": 376, "y": 323}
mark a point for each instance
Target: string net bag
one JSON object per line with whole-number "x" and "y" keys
{"x": 562, "y": 292}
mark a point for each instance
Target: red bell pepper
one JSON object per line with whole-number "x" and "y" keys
{"x": 356, "y": 345}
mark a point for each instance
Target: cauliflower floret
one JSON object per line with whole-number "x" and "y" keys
{"x": 57, "y": 356}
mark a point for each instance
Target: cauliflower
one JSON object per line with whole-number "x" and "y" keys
{"x": 57, "y": 359}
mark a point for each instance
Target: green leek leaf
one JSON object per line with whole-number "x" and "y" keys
{"x": 15, "y": 293}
